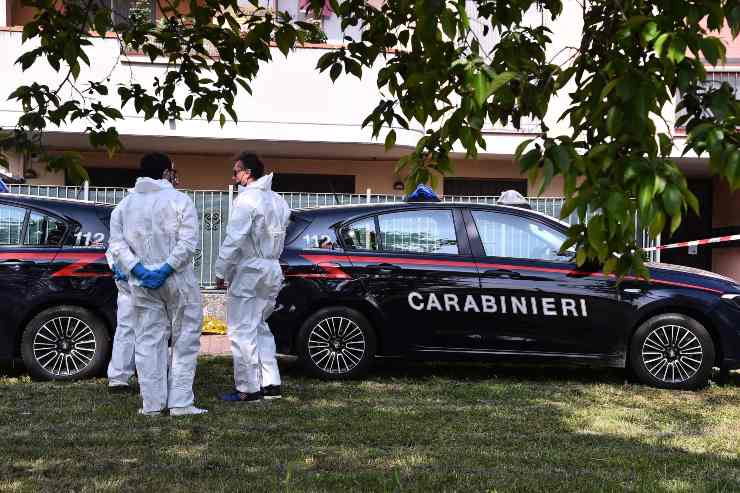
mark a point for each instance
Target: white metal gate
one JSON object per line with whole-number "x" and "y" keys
{"x": 213, "y": 210}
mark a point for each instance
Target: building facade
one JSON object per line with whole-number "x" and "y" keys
{"x": 308, "y": 130}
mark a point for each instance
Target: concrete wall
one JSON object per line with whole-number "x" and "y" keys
{"x": 214, "y": 171}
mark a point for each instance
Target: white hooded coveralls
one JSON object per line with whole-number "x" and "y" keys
{"x": 248, "y": 261}
{"x": 121, "y": 367}
{"x": 158, "y": 224}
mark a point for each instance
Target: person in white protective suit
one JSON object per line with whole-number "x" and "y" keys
{"x": 121, "y": 367}
{"x": 248, "y": 263}
{"x": 153, "y": 240}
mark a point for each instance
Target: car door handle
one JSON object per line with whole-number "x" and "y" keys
{"x": 384, "y": 266}
{"x": 501, "y": 273}
{"x": 16, "y": 261}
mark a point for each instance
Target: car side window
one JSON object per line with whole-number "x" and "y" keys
{"x": 43, "y": 230}
{"x": 360, "y": 235}
{"x": 418, "y": 231}
{"x": 11, "y": 225}
{"x": 506, "y": 235}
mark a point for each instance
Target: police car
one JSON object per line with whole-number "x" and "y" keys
{"x": 57, "y": 295}
{"x": 463, "y": 281}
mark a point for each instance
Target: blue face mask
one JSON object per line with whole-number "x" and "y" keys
{"x": 241, "y": 188}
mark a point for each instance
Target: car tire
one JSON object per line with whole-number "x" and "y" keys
{"x": 337, "y": 343}
{"x": 672, "y": 351}
{"x": 65, "y": 343}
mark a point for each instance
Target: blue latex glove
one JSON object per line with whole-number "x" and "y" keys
{"x": 118, "y": 275}
{"x": 166, "y": 270}
{"x": 149, "y": 278}
{"x": 158, "y": 277}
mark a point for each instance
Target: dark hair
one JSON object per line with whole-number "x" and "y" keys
{"x": 250, "y": 161}
{"x": 154, "y": 164}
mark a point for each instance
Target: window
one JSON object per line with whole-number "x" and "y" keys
{"x": 360, "y": 235}
{"x": 11, "y": 225}
{"x": 44, "y": 230}
{"x": 713, "y": 82}
{"x": 306, "y": 182}
{"x": 423, "y": 231}
{"x": 122, "y": 10}
{"x": 505, "y": 235}
{"x": 483, "y": 186}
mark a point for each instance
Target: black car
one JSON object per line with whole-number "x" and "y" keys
{"x": 465, "y": 281}
{"x": 57, "y": 295}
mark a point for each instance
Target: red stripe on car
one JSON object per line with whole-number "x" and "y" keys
{"x": 316, "y": 259}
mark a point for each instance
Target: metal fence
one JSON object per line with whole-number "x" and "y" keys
{"x": 213, "y": 210}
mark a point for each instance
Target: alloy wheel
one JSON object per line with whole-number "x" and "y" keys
{"x": 64, "y": 346}
{"x": 336, "y": 345}
{"x": 672, "y": 353}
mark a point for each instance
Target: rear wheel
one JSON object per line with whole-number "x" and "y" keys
{"x": 65, "y": 343}
{"x": 672, "y": 351}
{"x": 337, "y": 343}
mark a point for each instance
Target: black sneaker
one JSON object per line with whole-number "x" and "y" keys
{"x": 237, "y": 396}
{"x": 120, "y": 389}
{"x": 272, "y": 392}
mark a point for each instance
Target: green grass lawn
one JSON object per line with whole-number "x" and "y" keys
{"x": 409, "y": 427}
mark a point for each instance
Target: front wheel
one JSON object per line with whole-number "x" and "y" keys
{"x": 65, "y": 343}
{"x": 672, "y": 351}
{"x": 337, "y": 343}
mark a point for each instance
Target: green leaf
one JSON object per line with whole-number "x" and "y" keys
{"x": 564, "y": 77}
{"x": 645, "y": 196}
{"x": 335, "y": 72}
{"x": 659, "y": 184}
{"x": 711, "y": 53}
{"x": 614, "y": 121}
{"x": 650, "y": 31}
{"x": 390, "y": 140}
{"x": 568, "y": 208}
{"x": 660, "y": 43}
{"x": 608, "y": 88}
{"x": 529, "y": 159}
{"x": 480, "y": 88}
{"x": 222, "y": 120}
{"x": 548, "y": 171}
{"x": 580, "y": 257}
{"x": 675, "y": 222}
{"x": 500, "y": 80}
{"x": 561, "y": 156}
{"x": 286, "y": 39}
{"x": 692, "y": 201}
{"x": 657, "y": 224}
{"x": 596, "y": 233}
{"x": 610, "y": 265}
{"x": 520, "y": 148}
{"x": 672, "y": 200}
{"x": 616, "y": 204}
{"x": 677, "y": 51}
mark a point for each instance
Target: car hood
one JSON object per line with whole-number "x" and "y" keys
{"x": 689, "y": 270}
{"x": 690, "y": 275}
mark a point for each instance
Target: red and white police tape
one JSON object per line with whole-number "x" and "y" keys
{"x": 684, "y": 244}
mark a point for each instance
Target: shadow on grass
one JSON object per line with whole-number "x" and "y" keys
{"x": 409, "y": 427}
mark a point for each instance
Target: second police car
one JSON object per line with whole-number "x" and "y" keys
{"x": 465, "y": 281}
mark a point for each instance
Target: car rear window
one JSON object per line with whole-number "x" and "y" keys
{"x": 296, "y": 226}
